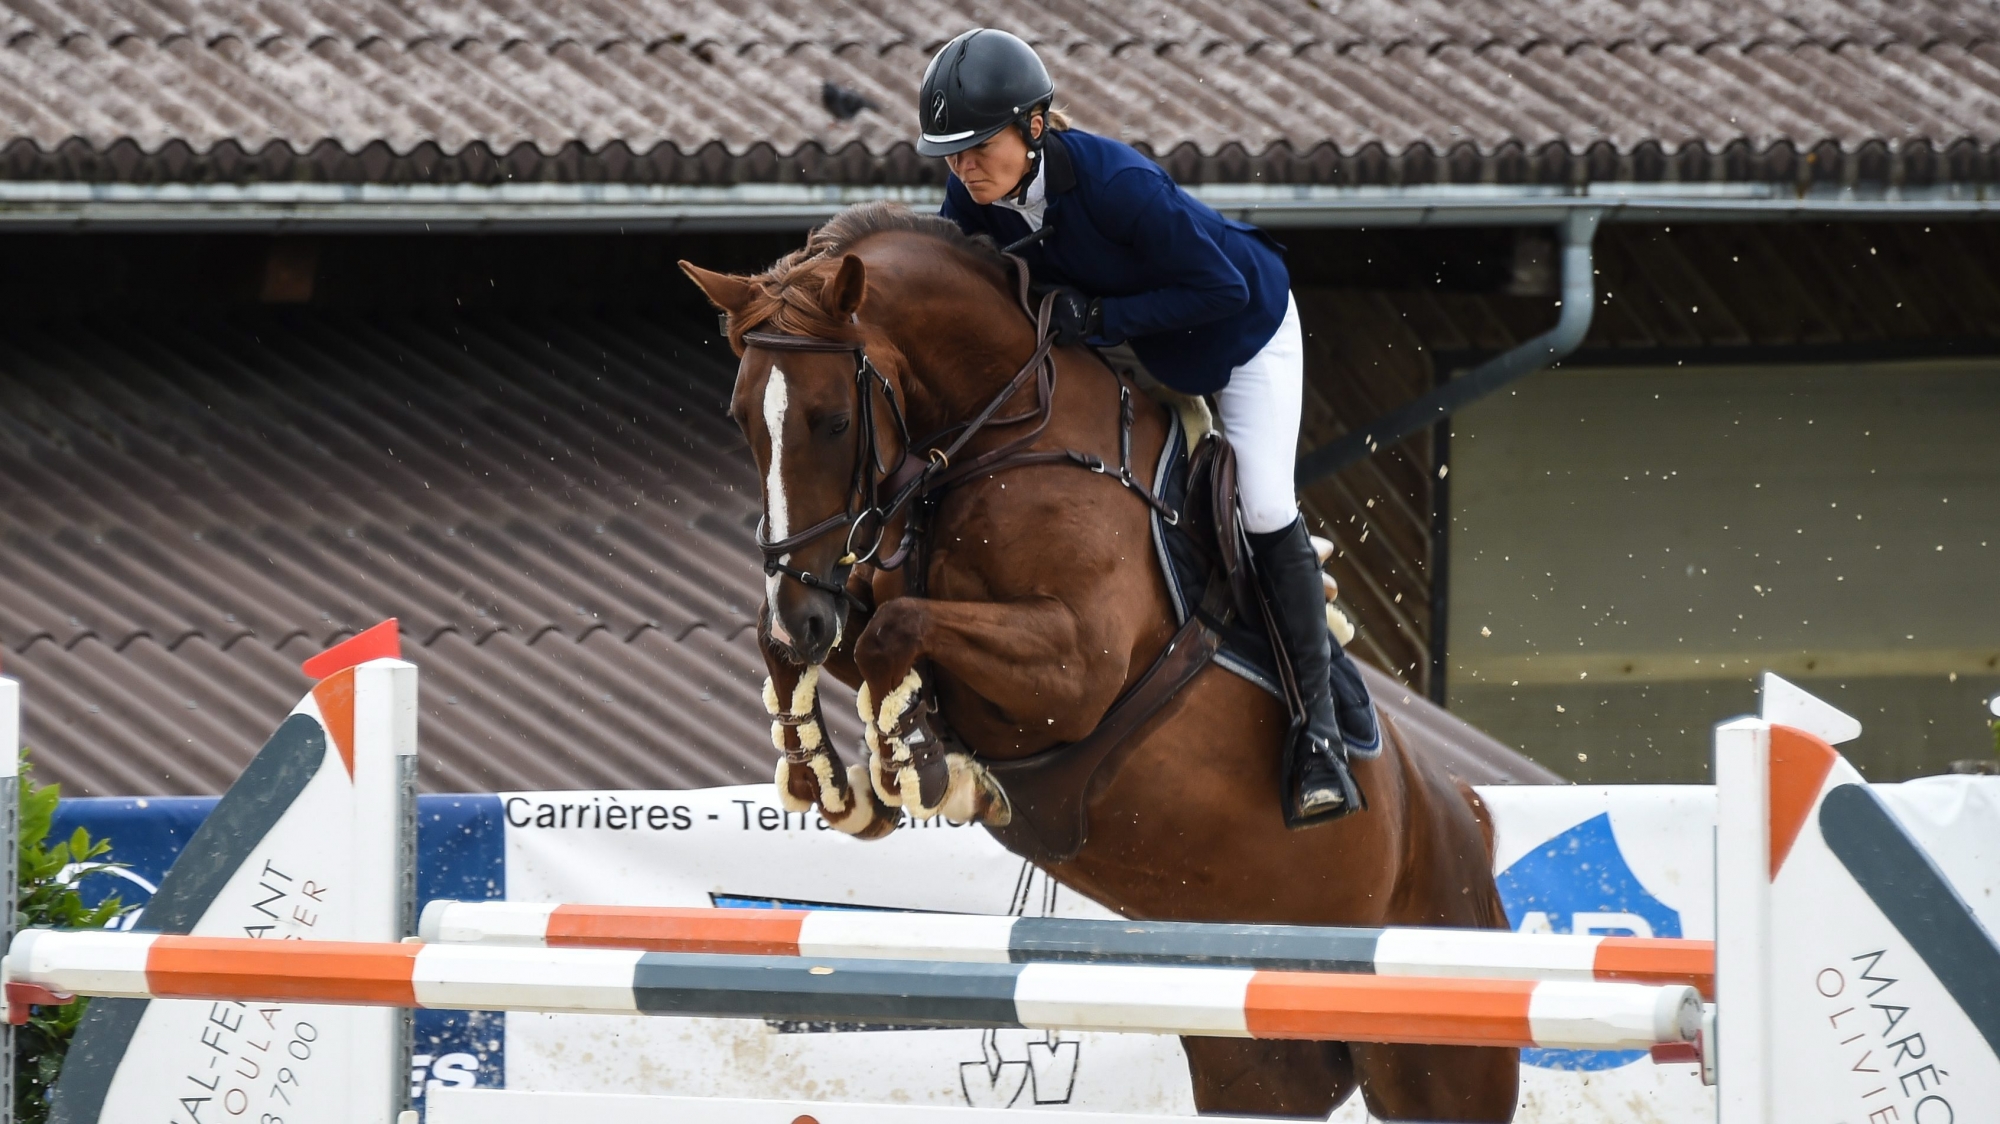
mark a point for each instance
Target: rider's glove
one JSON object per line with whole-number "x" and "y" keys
{"x": 1075, "y": 317}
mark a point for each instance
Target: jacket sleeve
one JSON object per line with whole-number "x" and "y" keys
{"x": 1198, "y": 281}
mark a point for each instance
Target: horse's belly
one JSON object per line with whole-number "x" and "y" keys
{"x": 1191, "y": 827}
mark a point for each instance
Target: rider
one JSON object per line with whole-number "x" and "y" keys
{"x": 1205, "y": 304}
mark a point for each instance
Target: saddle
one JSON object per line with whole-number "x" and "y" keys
{"x": 1050, "y": 792}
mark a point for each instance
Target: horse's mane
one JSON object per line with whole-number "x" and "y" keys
{"x": 788, "y": 293}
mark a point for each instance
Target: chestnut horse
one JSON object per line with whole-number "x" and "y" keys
{"x": 1042, "y": 603}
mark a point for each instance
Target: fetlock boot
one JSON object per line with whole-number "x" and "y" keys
{"x": 1318, "y": 785}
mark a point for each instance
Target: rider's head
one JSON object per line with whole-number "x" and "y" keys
{"x": 983, "y": 106}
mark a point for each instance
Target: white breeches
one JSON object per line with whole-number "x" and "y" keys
{"x": 1260, "y": 415}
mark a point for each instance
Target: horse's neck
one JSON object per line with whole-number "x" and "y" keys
{"x": 955, "y": 368}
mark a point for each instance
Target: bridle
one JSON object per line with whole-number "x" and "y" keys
{"x": 870, "y": 471}
{"x": 880, "y": 492}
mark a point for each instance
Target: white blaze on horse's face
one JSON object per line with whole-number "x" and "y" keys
{"x": 777, "y": 508}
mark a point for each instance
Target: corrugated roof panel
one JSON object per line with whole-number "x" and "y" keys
{"x": 555, "y": 507}
{"x": 736, "y": 23}
{"x": 568, "y": 89}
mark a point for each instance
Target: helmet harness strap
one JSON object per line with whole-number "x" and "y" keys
{"x": 1025, "y": 123}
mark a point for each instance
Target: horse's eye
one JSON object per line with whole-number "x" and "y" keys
{"x": 838, "y": 427}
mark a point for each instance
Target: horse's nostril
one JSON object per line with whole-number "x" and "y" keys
{"x": 815, "y": 628}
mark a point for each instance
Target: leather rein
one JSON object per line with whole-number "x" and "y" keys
{"x": 882, "y": 491}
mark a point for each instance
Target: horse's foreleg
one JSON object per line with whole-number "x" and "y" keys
{"x": 1026, "y": 658}
{"x": 840, "y": 658}
{"x": 809, "y": 772}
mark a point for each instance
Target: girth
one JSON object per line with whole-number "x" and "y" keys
{"x": 1050, "y": 792}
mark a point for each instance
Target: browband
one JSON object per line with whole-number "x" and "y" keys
{"x": 782, "y": 341}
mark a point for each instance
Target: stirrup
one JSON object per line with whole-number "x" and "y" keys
{"x": 1329, "y": 795}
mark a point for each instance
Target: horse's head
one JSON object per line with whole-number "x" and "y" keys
{"x": 806, "y": 416}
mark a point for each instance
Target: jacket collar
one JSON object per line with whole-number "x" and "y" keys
{"x": 1059, "y": 172}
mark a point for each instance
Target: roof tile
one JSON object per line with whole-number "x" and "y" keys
{"x": 555, "y": 508}
{"x": 650, "y": 90}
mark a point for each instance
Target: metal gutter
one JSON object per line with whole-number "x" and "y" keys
{"x": 414, "y": 208}
{"x": 1533, "y": 205}
{"x": 419, "y": 208}
{"x": 1579, "y": 300}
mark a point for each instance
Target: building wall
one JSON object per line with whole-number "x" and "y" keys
{"x": 1632, "y": 546}
{"x": 1386, "y": 311}
{"x": 1362, "y": 360}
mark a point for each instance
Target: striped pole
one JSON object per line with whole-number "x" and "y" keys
{"x": 870, "y": 934}
{"x": 10, "y": 860}
{"x": 1230, "y": 1002}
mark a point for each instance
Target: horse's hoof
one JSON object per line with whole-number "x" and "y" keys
{"x": 1000, "y": 810}
{"x": 867, "y": 818}
{"x": 962, "y": 791}
{"x": 972, "y": 795}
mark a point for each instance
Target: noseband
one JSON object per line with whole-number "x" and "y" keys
{"x": 868, "y": 514}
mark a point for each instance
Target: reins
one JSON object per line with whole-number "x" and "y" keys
{"x": 923, "y": 477}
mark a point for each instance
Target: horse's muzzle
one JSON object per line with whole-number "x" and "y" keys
{"x": 804, "y": 625}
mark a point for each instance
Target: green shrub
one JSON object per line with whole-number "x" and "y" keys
{"x": 48, "y": 898}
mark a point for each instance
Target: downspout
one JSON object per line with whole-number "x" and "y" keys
{"x": 1578, "y": 301}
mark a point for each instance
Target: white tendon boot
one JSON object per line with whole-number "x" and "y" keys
{"x": 803, "y": 747}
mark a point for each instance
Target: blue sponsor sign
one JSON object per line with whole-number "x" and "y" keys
{"x": 1579, "y": 882}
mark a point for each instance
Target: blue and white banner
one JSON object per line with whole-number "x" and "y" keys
{"x": 1617, "y": 859}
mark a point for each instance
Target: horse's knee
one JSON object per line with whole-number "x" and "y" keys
{"x": 890, "y": 645}
{"x": 1241, "y": 1077}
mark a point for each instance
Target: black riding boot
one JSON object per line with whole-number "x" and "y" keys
{"x": 1317, "y": 783}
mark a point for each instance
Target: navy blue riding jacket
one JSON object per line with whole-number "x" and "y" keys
{"x": 1196, "y": 294}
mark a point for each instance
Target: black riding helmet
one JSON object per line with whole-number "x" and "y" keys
{"x": 980, "y": 83}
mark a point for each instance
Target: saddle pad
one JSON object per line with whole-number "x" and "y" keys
{"x": 1246, "y": 650}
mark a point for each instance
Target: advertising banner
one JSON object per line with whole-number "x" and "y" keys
{"x": 307, "y": 845}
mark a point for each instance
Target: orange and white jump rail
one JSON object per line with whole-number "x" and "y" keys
{"x": 49, "y": 966}
{"x": 873, "y": 935}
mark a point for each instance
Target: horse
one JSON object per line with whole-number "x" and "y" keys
{"x": 1030, "y": 606}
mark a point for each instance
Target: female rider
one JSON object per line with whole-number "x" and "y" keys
{"x": 1205, "y": 304}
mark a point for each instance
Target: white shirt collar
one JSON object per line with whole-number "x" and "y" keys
{"x": 1034, "y": 203}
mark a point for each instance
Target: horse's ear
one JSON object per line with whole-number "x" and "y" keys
{"x": 843, "y": 293}
{"x": 728, "y": 293}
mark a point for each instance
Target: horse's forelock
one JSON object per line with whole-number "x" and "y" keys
{"x": 789, "y": 303}
{"x": 789, "y": 292}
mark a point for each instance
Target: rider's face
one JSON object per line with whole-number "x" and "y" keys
{"x": 993, "y": 168}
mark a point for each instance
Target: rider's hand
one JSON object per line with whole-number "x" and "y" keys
{"x": 1075, "y": 317}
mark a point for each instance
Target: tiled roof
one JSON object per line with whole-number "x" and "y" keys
{"x": 555, "y": 507}
{"x": 1284, "y": 90}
